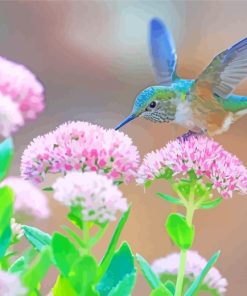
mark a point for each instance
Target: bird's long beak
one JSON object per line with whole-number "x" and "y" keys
{"x": 126, "y": 120}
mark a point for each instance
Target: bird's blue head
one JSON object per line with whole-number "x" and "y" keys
{"x": 153, "y": 103}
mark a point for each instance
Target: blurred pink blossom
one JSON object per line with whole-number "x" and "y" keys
{"x": 21, "y": 85}
{"x": 194, "y": 265}
{"x": 202, "y": 154}
{"x": 81, "y": 146}
{"x": 98, "y": 197}
{"x": 10, "y": 285}
{"x": 28, "y": 198}
{"x": 10, "y": 116}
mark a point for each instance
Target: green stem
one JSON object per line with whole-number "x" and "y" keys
{"x": 98, "y": 235}
{"x": 86, "y": 237}
{"x": 189, "y": 217}
{"x": 180, "y": 278}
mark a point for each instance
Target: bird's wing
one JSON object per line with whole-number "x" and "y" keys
{"x": 162, "y": 52}
{"x": 225, "y": 72}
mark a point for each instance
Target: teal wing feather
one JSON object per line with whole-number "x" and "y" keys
{"x": 225, "y": 72}
{"x": 233, "y": 103}
{"x": 162, "y": 52}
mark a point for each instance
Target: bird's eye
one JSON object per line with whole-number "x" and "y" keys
{"x": 152, "y": 104}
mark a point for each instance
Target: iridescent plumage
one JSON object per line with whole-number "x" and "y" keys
{"x": 202, "y": 105}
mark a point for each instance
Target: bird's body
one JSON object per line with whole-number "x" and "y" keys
{"x": 202, "y": 105}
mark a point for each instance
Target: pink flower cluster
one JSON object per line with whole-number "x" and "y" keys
{"x": 202, "y": 154}
{"x": 194, "y": 265}
{"x": 28, "y": 198}
{"x": 98, "y": 197}
{"x": 21, "y": 96}
{"x": 81, "y": 146}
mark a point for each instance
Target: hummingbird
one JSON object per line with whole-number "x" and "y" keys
{"x": 203, "y": 105}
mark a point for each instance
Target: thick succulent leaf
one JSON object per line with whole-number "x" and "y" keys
{"x": 170, "y": 286}
{"x": 35, "y": 273}
{"x": 63, "y": 287}
{"x": 83, "y": 276}
{"x": 5, "y": 241}
{"x": 64, "y": 252}
{"x": 37, "y": 238}
{"x": 211, "y": 203}
{"x": 6, "y": 155}
{"x": 113, "y": 243}
{"x": 152, "y": 279}
{"x": 170, "y": 199}
{"x": 18, "y": 266}
{"x": 122, "y": 264}
{"x": 125, "y": 286}
{"x": 198, "y": 281}
{"x": 75, "y": 216}
{"x": 179, "y": 231}
{"x": 161, "y": 291}
{"x": 6, "y": 213}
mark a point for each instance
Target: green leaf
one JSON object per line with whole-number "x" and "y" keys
{"x": 113, "y": 243}
{"x": 211, "y": 203}
{"x": 6, "y": 213}
{"x": 183, "y": 189}
{"x": 170, "y": 199}
{"x": 75, "y": 216}
{"x": 74, "y": 235}
{"x": 34, "y": 275}
{"x": 63, "y": 287}
{"x": 125, "y": 286}
{"x": 83, "y": 276}
{"x": 48, "y": 189}
{"x": 64, "y": 252}
{"x": 37, "y": 238}
{"x": 18, "y": 266}
{"x": 22, "y": 263}
{"x": 5, "y": 241}
{"x": 200, "y": 189}
{"x": 161, "y": 291}
{"x": 148, "y": 273}
{"x": 198, "y": 281}
{"x": 166, "y": 174}
{"x": 170, "y": 286}
{"x": 30, "y": 254}
{"x": 181, "y": 233}
{"x": 148, "y": 183}
{"x": 6, "y": 155}
{"x": 122, "y": 264}
{"x": 192, "y": 175}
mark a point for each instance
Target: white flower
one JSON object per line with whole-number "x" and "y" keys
{"x": 10, "y": 116}
{"x": 10, "y": 285}
{"x": 194, "y": 265}
{"x": 98, "y": 197}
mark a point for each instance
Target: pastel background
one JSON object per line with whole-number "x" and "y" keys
{"x": 92, "y": 57}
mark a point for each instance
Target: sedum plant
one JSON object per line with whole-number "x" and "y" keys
{"x": 93, "y": 162}
{"x": 197, "y": 169}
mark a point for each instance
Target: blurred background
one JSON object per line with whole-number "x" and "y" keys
{"x": 92, "y": 57}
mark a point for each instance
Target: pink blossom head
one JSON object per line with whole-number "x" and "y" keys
{"x": 95, "y": 194}
{"x": 11, "y": 118}
{"x": 10, "y": 285}
{"x": 21, "y": 85}
{"x": 28, "y": 198}
{"x": 169, "y": 265}
{"x": 81, "y": 146}
{"x": 204, "y": 156}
